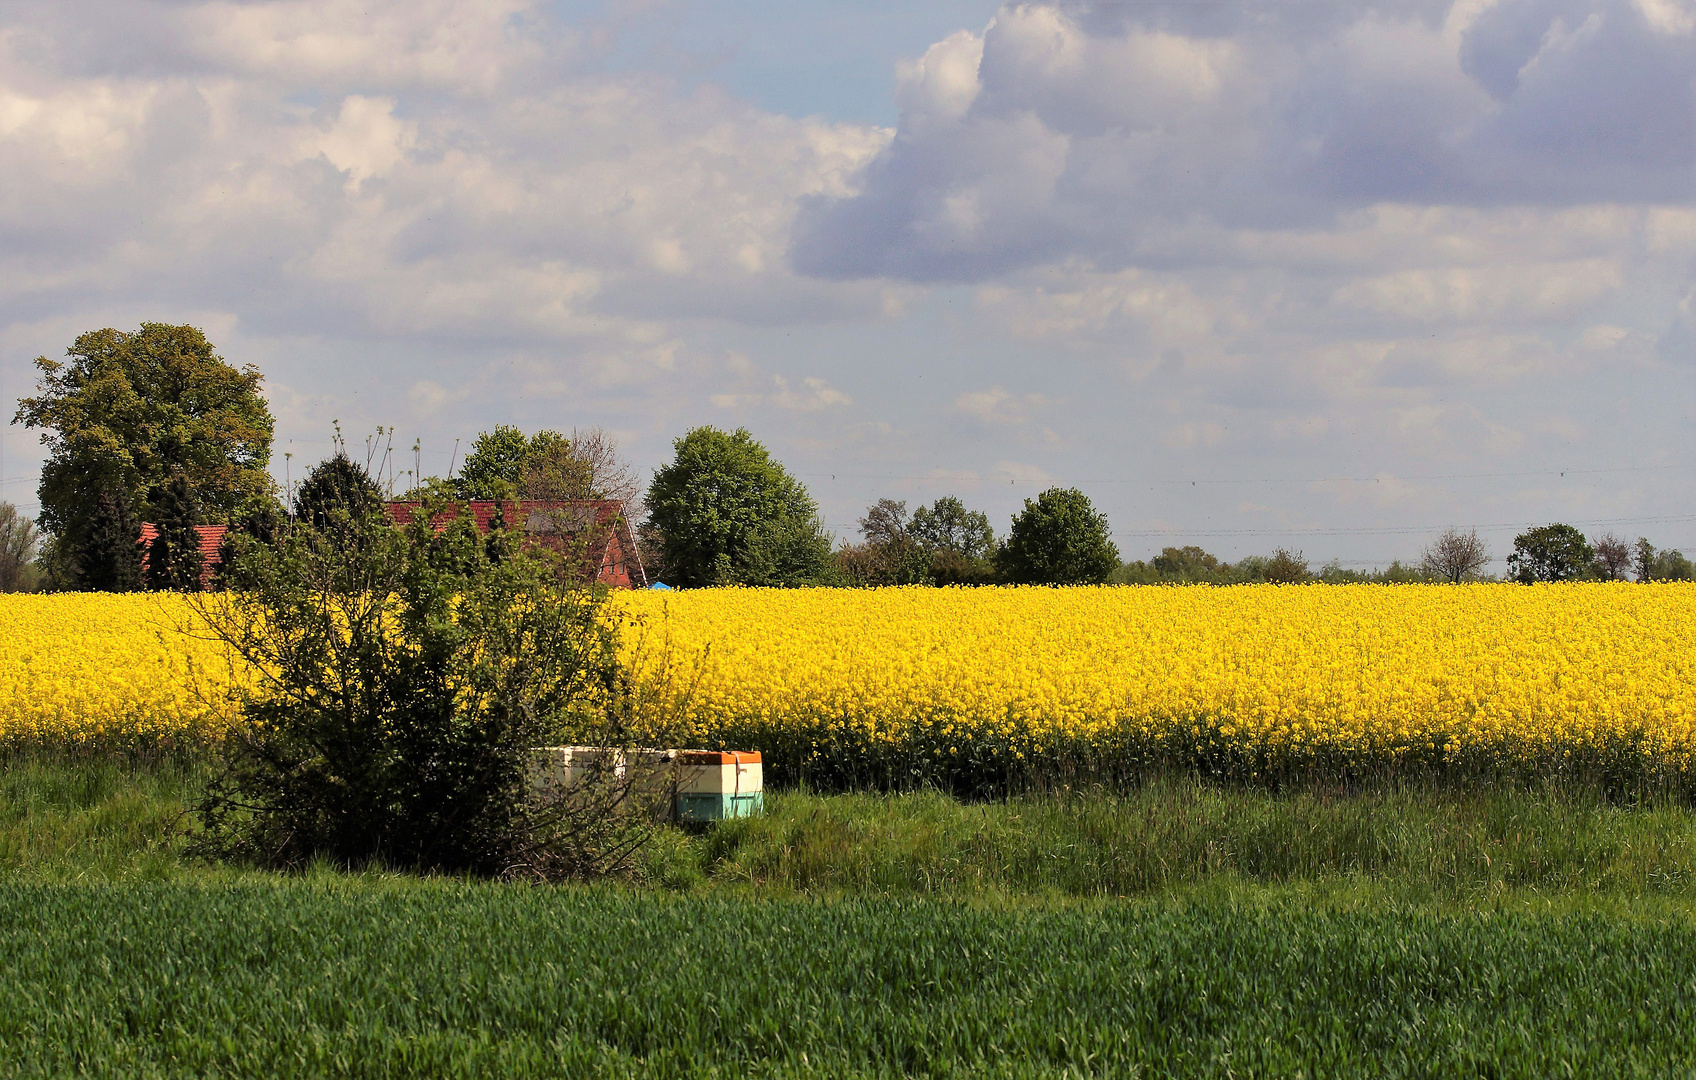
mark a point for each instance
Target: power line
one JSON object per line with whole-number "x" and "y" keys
{"x": 1321, "y": 530}
{"x": 1198, "y": 481}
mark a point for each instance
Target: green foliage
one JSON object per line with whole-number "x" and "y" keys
{"x": 109, "y": 557}
{"x": 1059, "y": 539}
{"x": 173, "y": 558}
{"x": 1176, "y": 832}
{"x": 781, "y": 553}
{"x": 128, "y": 411}
{"x": 1653, "y": 565}
{"x": 505, "y": 464}
{"x": 495, "y": 466}
{"x": 553, "y": 472}
{"x": 408, "y": 675}
{"x": 1550, "y": 553}
{"x": 942, "y": 544}
{"x": 337, "y": 487}
{"x": 1187, "y": 564}
{"x": 1397, "y": 573}
{"x": 889, "y": 554}
{"x": 959, "y": 541}
{"x": 1287, "y": 567}
{"x": 725, "y": 513}
{"x": 1193, "y": 566}
{"x": 19, "y": 542}
{"x": 260, "y": 525}
{"x": 946, "y": 525}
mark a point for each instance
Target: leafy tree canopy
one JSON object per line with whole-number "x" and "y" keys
{"x": 505, "y": 464}
{"x": 1550, "y": 553}
{"x": 946, "y": 525}
{"x": 1059, "y": 539}
{"x": 725, "y": 513}
{"x": 889, "y": 553}
{"x": 1652, "y": 564}
{"x": 129, "y": 410}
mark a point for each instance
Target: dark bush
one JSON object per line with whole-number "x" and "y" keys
{"x": 406, "y": 679}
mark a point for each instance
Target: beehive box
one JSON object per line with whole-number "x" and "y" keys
{"x": 647, "y": 776}
{"x": 687, "y": 785}
{"x": 716, "y": 784}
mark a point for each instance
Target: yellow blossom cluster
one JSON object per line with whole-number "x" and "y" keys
{"x": 943, "y": 683}
{"x": 76, "y": 667}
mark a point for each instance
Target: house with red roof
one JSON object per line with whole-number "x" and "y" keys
{"x": 592, "y": 531}
{"x": 211, "y": 539}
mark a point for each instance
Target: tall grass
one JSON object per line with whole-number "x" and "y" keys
{"x": 69, "y": 814}
{"x": 88, "y": 817}
{"x": 1400, "y": 932}
{"x": 1419, "y": 842}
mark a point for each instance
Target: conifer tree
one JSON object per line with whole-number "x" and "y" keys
{"x": 110, "y": 558}
{"x": 337, "y": 484}
{"x": 173, "y": 558}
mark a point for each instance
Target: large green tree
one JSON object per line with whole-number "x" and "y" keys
{"x": 726, "y": 513}
{"x": 946, "y": 525}
{"x": 131, "y": 409}
{"x": 1550, "y": 553}
{"x": 1059, "y": 539}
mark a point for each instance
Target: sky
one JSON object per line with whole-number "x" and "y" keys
{"x": 1323, "y": 276}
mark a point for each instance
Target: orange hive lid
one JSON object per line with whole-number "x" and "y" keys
{"x": 721, "y": 757}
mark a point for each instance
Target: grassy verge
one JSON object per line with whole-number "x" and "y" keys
{"x": 1402, "y": 932}
{"x": 105, "y": 819}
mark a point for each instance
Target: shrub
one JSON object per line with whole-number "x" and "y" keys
{"x": 405, "y": 678}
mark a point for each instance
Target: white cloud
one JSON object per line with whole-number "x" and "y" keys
{"x": 816, "y": 396}
{"x": 999, "y": 406}
{"x": 1095, "y": 137}
{"x": 365, "y": 140}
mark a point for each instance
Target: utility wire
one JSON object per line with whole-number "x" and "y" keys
{"x": 1265, "y": 480}
{"x": 1320, "y": 530}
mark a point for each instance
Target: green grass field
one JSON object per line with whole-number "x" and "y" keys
{"x": 1180, "y": 930}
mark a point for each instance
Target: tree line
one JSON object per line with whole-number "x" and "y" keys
{"x": 153, "y": 426}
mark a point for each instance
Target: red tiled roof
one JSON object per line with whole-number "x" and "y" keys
{"x": 211, "y": 539}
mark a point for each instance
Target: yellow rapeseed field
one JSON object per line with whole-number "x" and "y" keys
{"x": 946, "y": 683}
{"x": 80, "y": 666}
{"x": 955, "y": 682}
